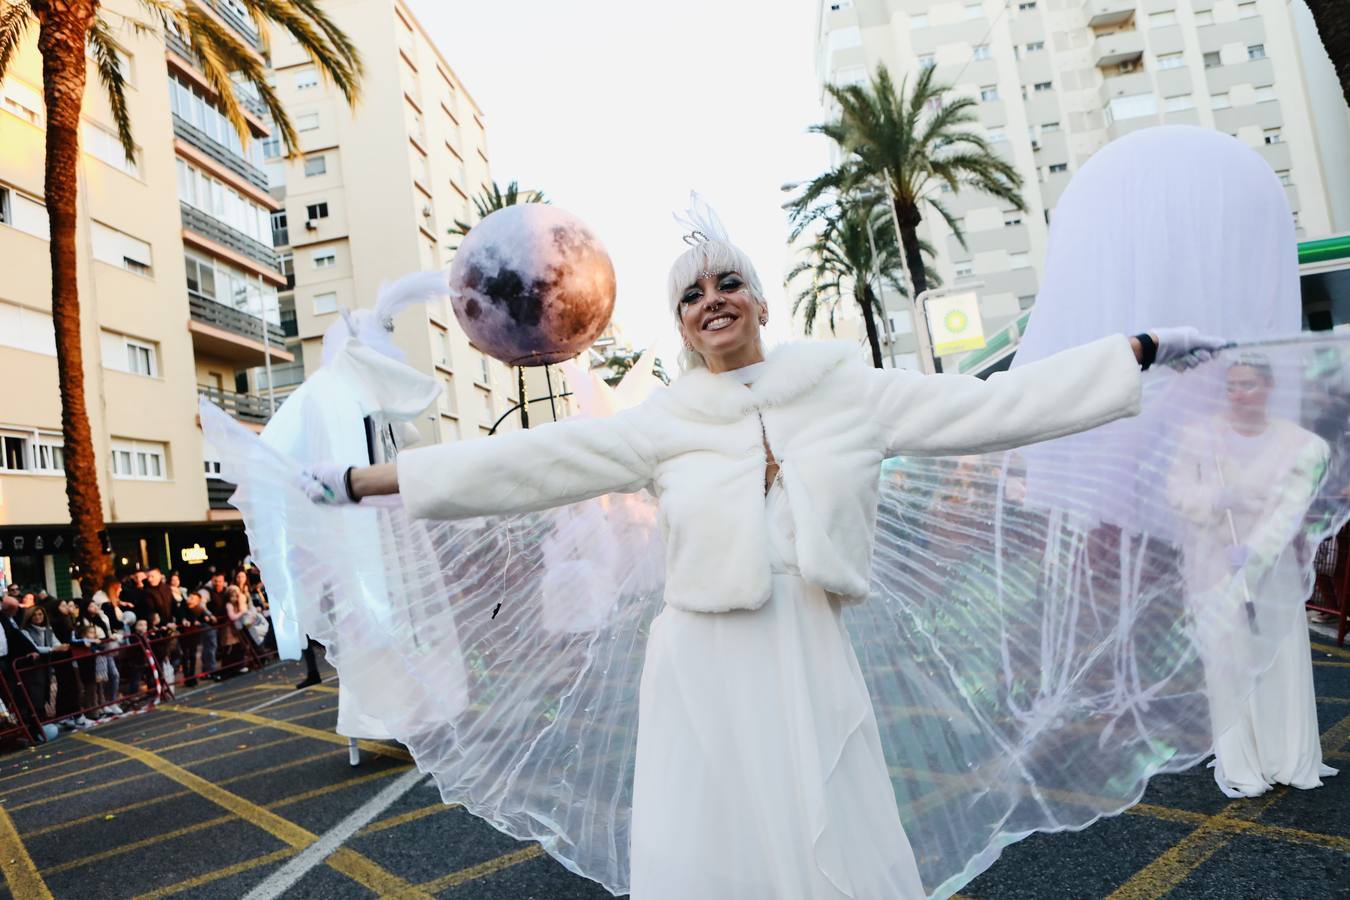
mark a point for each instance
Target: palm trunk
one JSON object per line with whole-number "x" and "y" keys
{"x": 61, "y": 41}
{"x": 868, "y": 303}
{"x": 1333, "y": 25}
{"x": 909, "y": 220}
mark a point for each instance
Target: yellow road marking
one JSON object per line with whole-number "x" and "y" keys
{"x": 17, "y": 866}
{"x": 360, "y": 869}
{"x": 1176, "y": 863}
{"x": 405, "y": 818}
{"x": 41, "y": 769}
{"x": 319, "y": 735}
{"x": 321, "y": 688}
{"x": 217, "y": 874}
{"x": 1329, "y": 664}
{"x": 1331, "y": 648}
{"x": 454, "y": 879}
{"x": 117, "y": 781}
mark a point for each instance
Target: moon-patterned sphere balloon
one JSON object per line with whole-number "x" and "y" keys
{"x": 532, "y": 285}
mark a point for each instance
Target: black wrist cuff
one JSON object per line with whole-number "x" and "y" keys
{"x": 347, "y": 483}
{"x": 1148, "y": 350}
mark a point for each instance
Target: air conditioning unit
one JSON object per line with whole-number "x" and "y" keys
{"x": 311, "y": 225}
{"x": 1035, "y": 145}
{"x": 426, "y": 212}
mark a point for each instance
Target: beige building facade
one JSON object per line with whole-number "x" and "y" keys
{"x": 174, "y": 268}
{"x": 1055, "y": 80}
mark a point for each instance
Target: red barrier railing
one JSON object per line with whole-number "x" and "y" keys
{"x": 131, "y": 673}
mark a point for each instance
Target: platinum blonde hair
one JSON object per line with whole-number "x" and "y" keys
{"x": 708, "y": 256}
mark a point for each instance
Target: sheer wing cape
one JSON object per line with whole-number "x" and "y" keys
{"x": 1031, "y": 665}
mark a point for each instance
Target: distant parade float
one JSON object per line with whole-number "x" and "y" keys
{"x": 532, "y": 285}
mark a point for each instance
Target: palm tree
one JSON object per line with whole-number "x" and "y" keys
{"x": 621, "y": 362}
{"x": 495, "y": 199}
{"x": 854, "y": 245}
{"x": 65, "y": 29}
{"x": 911, "y": 143}
{"x": 1332, "y": 18}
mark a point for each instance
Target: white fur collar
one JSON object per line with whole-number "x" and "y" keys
{"x": 789, "y": 371}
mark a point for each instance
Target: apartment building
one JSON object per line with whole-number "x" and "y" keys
{"x": 1055, "y": 80}
{"x": 370, "y": 198}
{"x": 177, "y": 292}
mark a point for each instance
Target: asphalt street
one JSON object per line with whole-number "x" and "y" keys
{"x": 244, "y": 786}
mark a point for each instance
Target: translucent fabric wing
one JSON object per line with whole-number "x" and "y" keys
{"x": 1030, "y": 665}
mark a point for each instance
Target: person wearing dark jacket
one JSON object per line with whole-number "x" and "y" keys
{"x": 159, "y": 596}
{"x": 14, "y": 647}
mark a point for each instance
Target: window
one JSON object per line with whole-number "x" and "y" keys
{"x": 1171, "y": 60}
{"x": 1220, "y": 101}
{"x": 215, "y": 280}
{"x": 325, "y": 259}
{"x": 1256, "y": 51}
{"x": 271, "y": 146}
{"x": 222, "y": 203}
{"x": 965, "y": 269}
{"x": 1212, "y": 60}
{"x": 1034, "y": 46}
{"x": 1019, "y": 260}
{"x": 1043, "y": 86}
{"x": 315, "y": 165}
{"x": 1247, "y": 10}
{"x": 1026, "y": 5}
{"x": 1271, "y": 135}
{"x": 1177, "y": 104}
{"x": 1132, "y": 107}
{"x": 995, "y": 135}
{"x": 1283, "y": 175}
{"x": 125, "y": 354}
{"x": 483, "y": 365}
{"x": 281, "y": 235}
{"x": 117, "y": 248}
{"x": 306, "y": 121}
{"x": 1026, "y": 301}
{"x": 325, "y": 303}
{"x": 927, "y": 61}
{"x": 1160, "y": 19}
{"x": 317, "y": 210}
{"x": 22, "y": 100}
{"x": 1204, "y": 17}
{"x": 1011, "y": 218}
{"x": 447, "y": 398}
{"x": 139, "y": 460}
{"x": 105, "y": 146}
{"x": 1049, "y": 127}
{"x": 23, "y": 214}
{"x": 31, "y": 451}
{"x": 917, "y": 22}
{"x": 1056, "y": 168}
{"x": 306, "y": 78}
{"x": 981, "y": 51}
{"x": 1264, "y": 93}
{"x": 26, "y": 329}
{"x": 989, "y": 92}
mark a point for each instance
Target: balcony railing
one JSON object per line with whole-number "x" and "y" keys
{"x": 249, "y": 407}
{"x": 210, "y": 312}
{"x": 242, "y": 25}
{"x": 211, "y": 227}
{"x": 1107, "y": 12}
{"x": 218, "y": 152}
{"x": 1117, "y": 47}
{"x": 246, "y": 98}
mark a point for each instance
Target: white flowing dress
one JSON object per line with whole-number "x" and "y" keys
{"x": 759, "y": 771}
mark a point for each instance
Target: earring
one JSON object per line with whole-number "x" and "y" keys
{"x": 688, "y": 346}
{"x": 764, "y": 320}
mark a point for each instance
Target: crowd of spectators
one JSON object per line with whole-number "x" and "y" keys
{"x": 67, "y": 664}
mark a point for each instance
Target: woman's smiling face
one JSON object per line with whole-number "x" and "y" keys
{"x": 719, "y": 317}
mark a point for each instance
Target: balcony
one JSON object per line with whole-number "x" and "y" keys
{"x": 218, "y": 232}
{"x": 218, "y": 492}
{"x": 233, "y": 334}
{"x": 242, "y": 25}
{"x": 1107, "y": 12}
{"x": 1116, "y": 48}
{"x": 223, "y": 155}
{"x": 252, "y": 104}
{"x": 248, "y": 407}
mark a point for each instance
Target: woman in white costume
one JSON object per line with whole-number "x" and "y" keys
{"x": 760, "y": 774}
{"x": 1243, "y": 481}
{"x": 1227, "y": 263}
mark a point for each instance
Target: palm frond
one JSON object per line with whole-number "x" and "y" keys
{"x": 109, "y": 66}
{"x": 15, "y": 20}
{"x": 328, "y": 47}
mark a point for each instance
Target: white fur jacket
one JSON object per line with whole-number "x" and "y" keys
{"x": 829, "y": 421}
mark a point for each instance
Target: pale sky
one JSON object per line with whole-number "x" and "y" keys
{"x": 616, "y": 109}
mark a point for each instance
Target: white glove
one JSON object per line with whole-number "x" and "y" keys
{"x": 1185, "y": 347}
{"x": 325, "y": 483}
